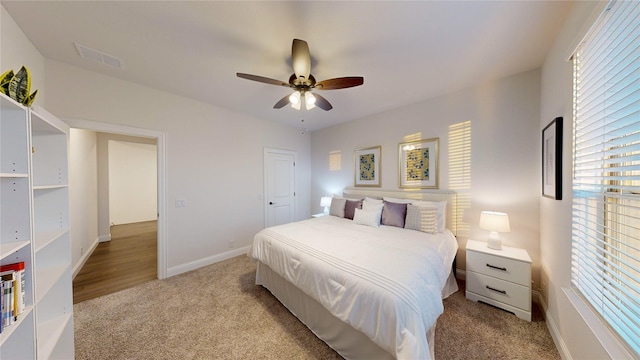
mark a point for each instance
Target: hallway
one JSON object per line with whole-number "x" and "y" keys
{"x": 129, "y": 259}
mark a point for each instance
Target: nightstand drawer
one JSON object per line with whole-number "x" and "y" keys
{"x": 499, "y": 290}
{"x": 515, "y": 271}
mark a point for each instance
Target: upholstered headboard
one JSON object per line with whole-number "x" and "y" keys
{"x": 419, "y": 194}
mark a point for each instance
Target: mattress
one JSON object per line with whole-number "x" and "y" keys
{"x": 385, "y": 281}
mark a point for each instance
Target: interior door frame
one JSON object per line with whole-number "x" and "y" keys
{"x": 161, "y": 177}
{"x": 265, "y": 171}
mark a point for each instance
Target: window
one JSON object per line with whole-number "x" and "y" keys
{"x": 605, "y": 264}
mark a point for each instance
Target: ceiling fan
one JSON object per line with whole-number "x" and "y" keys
{"x": 303, "y": 82}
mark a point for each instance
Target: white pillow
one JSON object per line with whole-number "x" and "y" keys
{"x": 399, "y": 200}
{"x": 374, "y": 208}
{"x": 421, "y": 218}
{"x": 369, "y": 218}
{"x": 337, "y": 206}
{"x": 372, "y": 200}
{"x": 441, "y": 216}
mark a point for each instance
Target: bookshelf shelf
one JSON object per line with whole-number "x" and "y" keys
{"x": 9, "y": 248}
{"x": 49, "y": 335}
{"x": 6, "y": 333}
{"x": 44, "y": 238}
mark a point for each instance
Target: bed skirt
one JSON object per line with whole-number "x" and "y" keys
{"x": 340, "y": 336}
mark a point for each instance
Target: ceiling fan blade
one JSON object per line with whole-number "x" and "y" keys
{"x": 301, "y": 58}
{"x": 340, "y": 83}
{"x": 282, "y": 103}
{"x": 262, "y": 79}
{"x": 322, "y": 103}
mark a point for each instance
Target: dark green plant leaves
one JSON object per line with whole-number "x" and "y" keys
{"x": 17, "y": 86}
{"x": 4, "y": 81}
{"x": 20, "y": 85}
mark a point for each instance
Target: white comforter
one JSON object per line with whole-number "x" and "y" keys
{"x": 385, "y": 281}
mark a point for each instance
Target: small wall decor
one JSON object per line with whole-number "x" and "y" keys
{"x": 367, "y": 166}
{"x": 418, "y": 162}
{"x": 552, "y": 160}
{"x": 17, "y": 86}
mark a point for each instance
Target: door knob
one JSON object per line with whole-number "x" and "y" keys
{"x": 271, "y": 203}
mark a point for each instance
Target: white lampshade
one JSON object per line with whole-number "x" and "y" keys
{"x": 325, "y": 202}
{"x": 495, "y": 222}
{"x": 294, "y": 99}
{"x": 309, "y": 100}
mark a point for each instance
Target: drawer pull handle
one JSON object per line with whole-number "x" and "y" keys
{"x": 497, "y": 267}
{"x": 504, "y": 292}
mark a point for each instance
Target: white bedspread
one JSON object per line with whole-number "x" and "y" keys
{"x": 385, "y": 282}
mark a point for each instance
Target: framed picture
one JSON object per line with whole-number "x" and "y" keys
{"x": 552, "y": 160}
{"x": 367, "y": 166}
{"x": 418, "y": 164}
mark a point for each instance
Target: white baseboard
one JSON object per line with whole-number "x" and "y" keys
{"x": 207, "y": 261}
{"x": 103, "y": 238}
{"x": 553, "y": 330}
{"x": 84, "y": 258}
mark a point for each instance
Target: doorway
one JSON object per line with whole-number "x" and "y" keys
{"x": 159, "y": 224}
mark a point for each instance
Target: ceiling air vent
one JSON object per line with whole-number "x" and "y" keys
{"x": 98, "y": 56}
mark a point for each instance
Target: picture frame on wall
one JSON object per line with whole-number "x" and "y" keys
{"x": 552, "y": 160}
{"x": 367, "y": 166}
{"x": 418, "y": 164}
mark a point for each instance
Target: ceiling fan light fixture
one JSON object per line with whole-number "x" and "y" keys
{"x": 295, "y": 98}
{"x": 302, "y": 81}
{"x": 309, "y": 99}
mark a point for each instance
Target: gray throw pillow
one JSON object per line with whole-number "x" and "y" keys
{"x": 337, "y": 207}
{"x": 393, "y": 214}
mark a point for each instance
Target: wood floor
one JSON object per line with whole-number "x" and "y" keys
{"x": 129, "y": 259}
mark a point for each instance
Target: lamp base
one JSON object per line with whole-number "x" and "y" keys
{"x": 494, "y": 242}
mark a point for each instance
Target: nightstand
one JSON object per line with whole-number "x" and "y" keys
{"x": 501, "y": 278}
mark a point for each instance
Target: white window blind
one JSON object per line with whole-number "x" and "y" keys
{"x": 605, "y": 264}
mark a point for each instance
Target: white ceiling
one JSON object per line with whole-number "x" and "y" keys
{"x": 407, "y": 51}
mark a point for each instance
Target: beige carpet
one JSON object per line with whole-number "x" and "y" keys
{"x": 217, "y": 312}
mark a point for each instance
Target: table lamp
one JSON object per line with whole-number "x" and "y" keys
{"x": 325, "y": 202}
{"x": 495, "y": 222}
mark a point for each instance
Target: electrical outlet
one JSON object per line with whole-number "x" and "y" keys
{"x": 181, "y": 202}
{"x": 82, "y": 250}
{"x": 232, "y": 243}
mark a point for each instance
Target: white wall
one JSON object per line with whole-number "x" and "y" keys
{"x": 17, "y": 50}
{"x": 572, "y": 333}
{"x": 133, "y": 178}
{"x": 214, "y": 158}
{"x": 505, "y": 150}
{"x": 83, "y": 194}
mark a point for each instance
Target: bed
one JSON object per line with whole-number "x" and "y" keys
{"x": 369, "y": 292}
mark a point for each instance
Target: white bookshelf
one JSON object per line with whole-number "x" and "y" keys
{"x": 34, "y": 228}
{"x": 17, "y": 341}
{"x": 52, "y": 249}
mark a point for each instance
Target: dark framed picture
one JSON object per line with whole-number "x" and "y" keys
{"x": 552, "y": 160}
{"x": 367, "y": 166}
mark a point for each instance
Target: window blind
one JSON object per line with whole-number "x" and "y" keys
{"x": 605, "y": 263}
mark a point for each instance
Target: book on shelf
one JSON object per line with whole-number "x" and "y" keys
{"x": 1, "y": 305}
{"x": 19, "y": 284}
{"x": 8, "y": 308}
